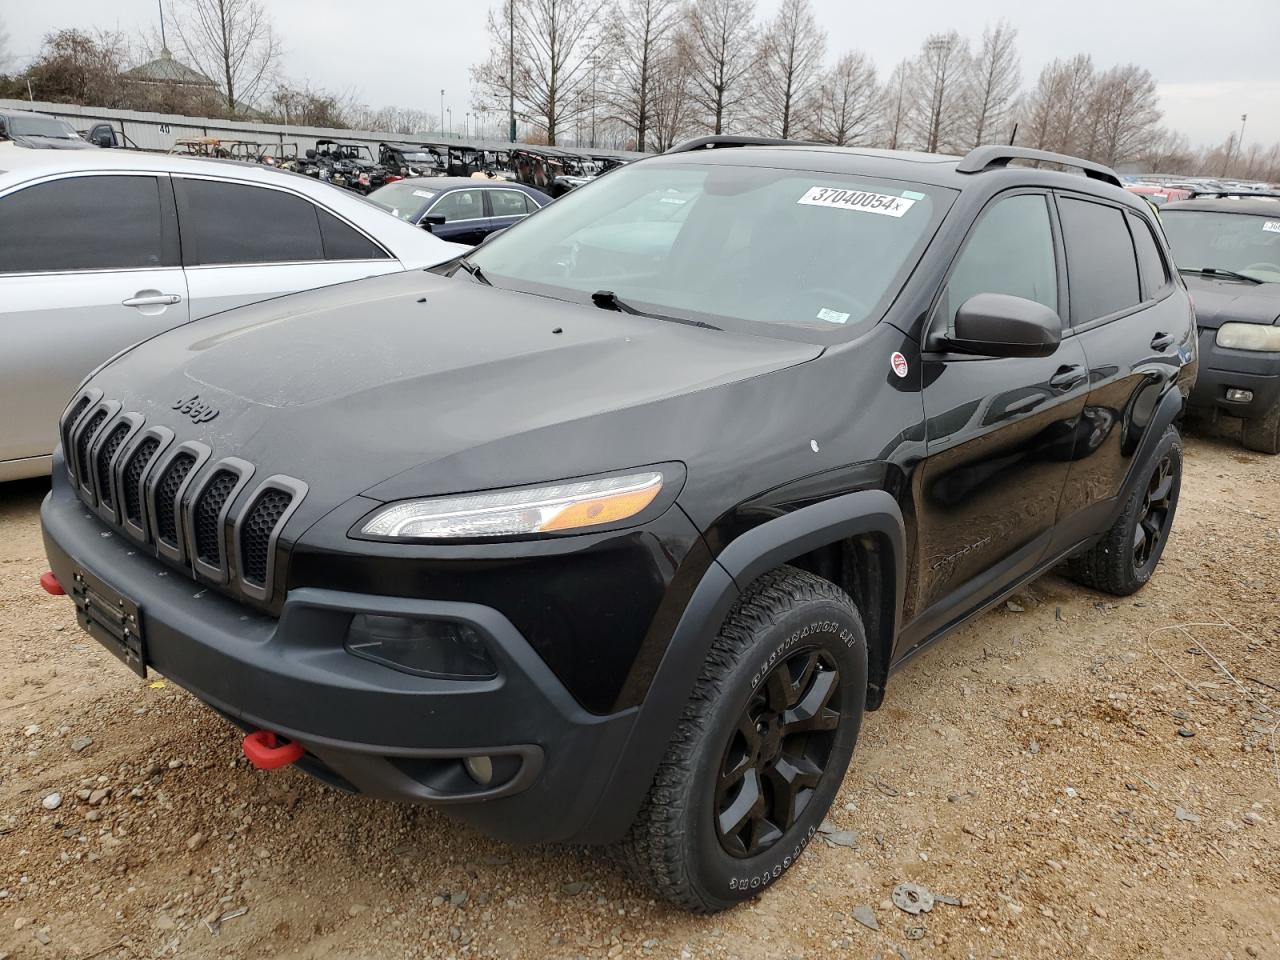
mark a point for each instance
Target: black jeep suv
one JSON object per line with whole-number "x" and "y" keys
{"x": 1228, "y": 249}
{"x": 610, "y": 531}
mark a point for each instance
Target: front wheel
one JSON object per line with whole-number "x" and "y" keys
{"x": 761, "y": 748}
{"x": 1125, "y": 558}
{"x": 1262, "y": 434}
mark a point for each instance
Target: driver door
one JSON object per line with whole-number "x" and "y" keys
{"x": 1000, "y": 431}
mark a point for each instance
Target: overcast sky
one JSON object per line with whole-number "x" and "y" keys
{"x": 1213, "y": 62}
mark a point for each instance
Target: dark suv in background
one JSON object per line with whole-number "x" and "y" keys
{"x": 1228, "y": 249}
{"x": 610, "y": 530}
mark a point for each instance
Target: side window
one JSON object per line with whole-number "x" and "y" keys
{"x": 459, "y": 205}
{"x": 341, "y": 242}
{"x": 1102, "y": 268}
{"x": 83, "y": 223}
{"x": 509, "y": 203}
{"x": 236, "y": 223}
{"x": 1151, "y": 265}
{"x": 1010, "y": 251}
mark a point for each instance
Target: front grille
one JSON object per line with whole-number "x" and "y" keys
{"x": 208, "y": 546}
{"x": 131, "y": 478}
{"x": 82, "y": 445}
{"x": 105, "y": 453}
{"x": 138, "y": 482}
{"x": 67, "y": 426}
{"x": 256, "y": 530}
{"x": 167, "y": 494}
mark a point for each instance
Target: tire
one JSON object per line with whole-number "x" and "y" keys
{"x": 1123, "y": 561}
{"x": 1262, "y": 434}
{"x": 780, "y": 643}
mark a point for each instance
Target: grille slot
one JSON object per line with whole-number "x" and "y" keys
{"x": 256, "y": 530}
{"x": 131, "y": 481}
{"x": 68, "y": 424}
{"x": 105, "y": 453}
{"x": 208, "y": 545}
{"x": 82, "y": 446}
{"x": 166, "y": 495}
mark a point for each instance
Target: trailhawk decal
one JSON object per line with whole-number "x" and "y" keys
{"x": 858, "y": 201}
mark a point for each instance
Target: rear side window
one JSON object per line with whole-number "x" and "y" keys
{"x": 1010, "y": 251}
{"x": 236, "y": 223}
{"x": 459, "y": 205}
{"x": 83, "y": 223}
{"x": 1102, "y": 268}
{"x": 341, "y": 242}
{"x": 510, "y": 203}
{"x": 1151, "y": 266}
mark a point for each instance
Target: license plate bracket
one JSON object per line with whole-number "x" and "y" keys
{"x": 111, "y": 618}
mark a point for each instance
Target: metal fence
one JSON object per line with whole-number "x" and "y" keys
{"x": 159, "y": 131}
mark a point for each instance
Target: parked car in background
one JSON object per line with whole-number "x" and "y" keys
{"x": 26, "y": 128}
{"x": 100, "y": 250}
{"x": 460, "y": 209}
{"x": 585, "y": 548}
{"x": 1158, "y": 194}
{"x": 1228, "y": 252}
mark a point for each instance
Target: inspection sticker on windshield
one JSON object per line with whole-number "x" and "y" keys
{"x": 832, "y": 316}
{"x": 857, "y": 200}
{"x": 1272, "y": 226}
{"x": 424, "y": 194}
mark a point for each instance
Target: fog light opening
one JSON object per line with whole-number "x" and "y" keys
{"x": 480, "y": 769}
{"x": 1236, "y": 395}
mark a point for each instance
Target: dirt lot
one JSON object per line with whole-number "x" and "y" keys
{"x": 1086, "y": 777}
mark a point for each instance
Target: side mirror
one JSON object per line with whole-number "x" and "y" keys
{"x": 434, "y": 220}
{"x": 998, "y": 325}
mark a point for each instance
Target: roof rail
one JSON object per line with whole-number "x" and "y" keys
{"x": 711, "y": 143}
{"x": 985, "y": 158}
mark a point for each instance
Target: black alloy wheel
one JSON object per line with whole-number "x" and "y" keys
{"x": 1155, "y": 516}
{"x": 778, "y": 752}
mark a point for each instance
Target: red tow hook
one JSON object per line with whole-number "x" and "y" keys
{"x": 51, "y": 585}
{"x": 266, "y": 751}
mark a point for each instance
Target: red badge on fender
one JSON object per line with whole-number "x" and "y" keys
{"x": 899, "y": 364}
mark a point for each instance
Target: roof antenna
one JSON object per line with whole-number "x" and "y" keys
{"x": 1013, "y": 136}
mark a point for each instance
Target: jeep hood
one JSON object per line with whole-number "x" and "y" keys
{"x": 1231, "y": 301}
{"x": 350, "y": 385}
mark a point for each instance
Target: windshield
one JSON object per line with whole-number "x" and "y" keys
{"x": 404, "y": 199}
{"x": 41, "y": 127}
{"x": 1240, "y": 242}
{"x": 809, "y": 254}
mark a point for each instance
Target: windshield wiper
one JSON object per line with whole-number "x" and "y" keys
{"x": 1219, "y": 272}
{"x": 608, "y": 300}
{"x": 474, "y": 270}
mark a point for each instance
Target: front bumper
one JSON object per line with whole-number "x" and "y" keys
{"x": 365, "y": 727}
{"x": 1223, "y": 369}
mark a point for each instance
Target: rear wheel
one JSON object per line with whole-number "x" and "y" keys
{"x": 761, "y": 748}
{"x": 1124, "y": 559}
{"x": 1262, "y": 434}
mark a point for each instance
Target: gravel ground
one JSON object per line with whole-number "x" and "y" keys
{"x": 1081, "y": 775}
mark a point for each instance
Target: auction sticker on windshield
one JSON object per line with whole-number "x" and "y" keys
{"x": 859, "y": 201}
{"x": 1272, "y": 226}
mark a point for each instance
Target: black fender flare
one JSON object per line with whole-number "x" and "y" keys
{"x": 1165, "y": 412}
{"x": 759, "y": 550}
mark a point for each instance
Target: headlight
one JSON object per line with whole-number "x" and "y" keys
{"x": 1249, "y": 336}
{"x": 525, "y": 510}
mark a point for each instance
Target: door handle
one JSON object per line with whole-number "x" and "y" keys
{"x": 1068, "y": 377}
{"x": 1162, "y": 341}
{"x": 153, "y": 300}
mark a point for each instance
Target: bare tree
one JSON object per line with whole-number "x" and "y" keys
{"x": 1124, "y": 115}
{"x": 791, "y": 49}
{"x": 897, "y": 102}
{"x": 720, "y": 54}
{"x": 643, "y": 33}
{"x": 230, "y": 41}
{"x": 670, "y": 111}
{"x": 847, "y": 111}
{"x": 1057, "y": 110}
{"x": 309, "y": 106}
{"x": 993, "y": 83}
{"x": 78, "y": 67}
{"x": 558, "y": 46}
{"x": 937, "y": 116}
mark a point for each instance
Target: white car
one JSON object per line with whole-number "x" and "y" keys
{"x": 101, "y": 249}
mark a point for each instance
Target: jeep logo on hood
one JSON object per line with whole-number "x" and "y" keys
{"x": 198, "y": 410}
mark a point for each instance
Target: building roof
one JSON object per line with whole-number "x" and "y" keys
{"x": 165, "y": 69}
